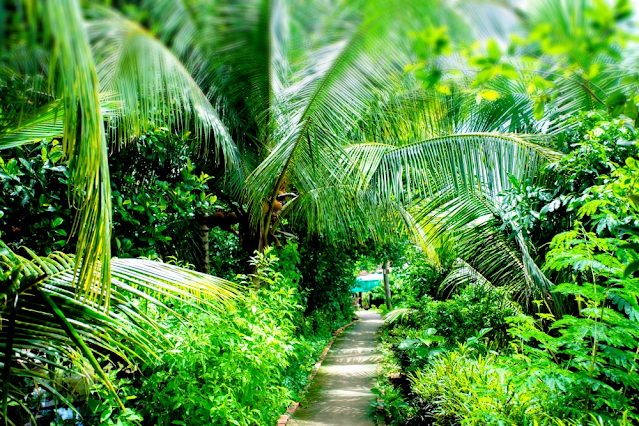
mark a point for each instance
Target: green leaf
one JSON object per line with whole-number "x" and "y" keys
{"x": 508, "y": 71}
{"x": 106, "y": 414}
{"x": 615, "y": 99}
{"x": 494, "y": 53}
{"x": 538, "y": 109}
{"x": 631, "y": 268}
{"x": 490, "y": 95}
{"x": 630, "y": 110}
{"x": 483, "y": 76}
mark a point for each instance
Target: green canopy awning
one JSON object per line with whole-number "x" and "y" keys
{"x": 367, "y": 282}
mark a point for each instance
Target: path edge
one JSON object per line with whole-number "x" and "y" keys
{"x": 284, "y": 418}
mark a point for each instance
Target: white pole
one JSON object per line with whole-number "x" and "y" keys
{"x": 387, "y": 285}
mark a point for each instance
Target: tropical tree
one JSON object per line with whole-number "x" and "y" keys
{"x": 304, "y": 109}
{"x": 61, "y": 313}
{"x": 567, "y": 57}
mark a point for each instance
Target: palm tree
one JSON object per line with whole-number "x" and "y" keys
{"x": 291, "y": 94}
{"x": 285, "y": 98}
{"x": 303, "y": 108}
{"x": 59, "y": 306}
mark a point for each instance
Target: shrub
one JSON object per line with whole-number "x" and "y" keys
{"x": 460, "y": 386}
{"x": 228, "y": 367}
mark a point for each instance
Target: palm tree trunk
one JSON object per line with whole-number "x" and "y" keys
{"x": 204, "y": 234}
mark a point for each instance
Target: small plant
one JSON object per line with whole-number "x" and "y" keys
{"x": 103, "y": 410}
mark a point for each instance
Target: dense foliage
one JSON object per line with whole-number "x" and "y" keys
{"x": 218, "y": 359}
{"x": 240, "y": 365}
{"x": 487, "y": 150}
{"x": 476, "y": 357}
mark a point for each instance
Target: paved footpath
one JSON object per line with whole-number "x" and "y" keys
{"x": 340, "y": 394}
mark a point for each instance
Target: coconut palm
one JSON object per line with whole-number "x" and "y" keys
{"x": 303, "y": 109}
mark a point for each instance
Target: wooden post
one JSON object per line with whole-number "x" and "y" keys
{"x": 387, "y": 285}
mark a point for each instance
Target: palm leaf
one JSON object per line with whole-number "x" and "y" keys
{"x": 153, "y": 84}
{"x": 464, "y": 274}
{"x": 326, "y": 99}
{"x": 47, "y": 122}
{"x": 84, "y": 142}
{"x": 398, "y": 315}
{"x": 52, "y": 324}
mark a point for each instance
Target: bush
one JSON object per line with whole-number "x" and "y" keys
{"x": 228, "y": 367}
{"x": 328, "y": 274}
{"x": 459, "y": 318}
{"x": 420, "y": 277}
{"x": 459, "y": 386}
{"x": 472, "y": 309}
{"x": 157, "y": 192}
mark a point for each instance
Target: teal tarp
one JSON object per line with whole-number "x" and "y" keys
{"x": 367, "y": 282}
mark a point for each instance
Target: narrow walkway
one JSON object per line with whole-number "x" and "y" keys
{"x": 340, "y": 394}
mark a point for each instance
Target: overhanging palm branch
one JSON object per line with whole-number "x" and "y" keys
{"x": 449, "y": 186}
{"x": 451, "y": 164}
{"x": 152, "y": 83}
{"x": 319, "y": 111}
{"x": 475, "y": 229}
{"x": 47, "y": 122}
{"x": 464, "y": 274}
{"x": 84, "y": 143}
{"x": 76, "y": 114}
{"x": 46, "y": 331}
{"x": 473, "y": 222}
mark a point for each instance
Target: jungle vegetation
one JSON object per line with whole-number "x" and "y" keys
{"x": 189, "y": 188}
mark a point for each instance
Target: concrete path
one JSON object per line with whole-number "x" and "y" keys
{"x": 340, "y": 394}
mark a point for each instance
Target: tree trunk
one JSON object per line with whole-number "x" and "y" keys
{"x": 387, "y": 285}
{"x": 250, "y": 242}
{"x": 204, "y": 234}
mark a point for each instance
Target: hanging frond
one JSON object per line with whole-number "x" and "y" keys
{"x": 450, "y": 186}
{"x": 84, "y": 143}
{"x": 328, "y": 96}
{"x": 464, "y": 274}
{"x": 47, "y": 122}
{"x": 153, "y": 84}
{"x": 475, "y": 227}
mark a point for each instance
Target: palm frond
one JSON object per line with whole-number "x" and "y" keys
{"x": 464, "y": 274}
{"x": 461, "y": 162}
{"x": 398, "y": 315}
{"x": 84, "y": 143}
{"x": 449, "y": 185}
{"x": 47, "y": 122}
{"x": 475, "y": 226}
{"x": 325, "y": 100}
{"x": 153, "y": 84}
{"x": 51, "y": 325}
